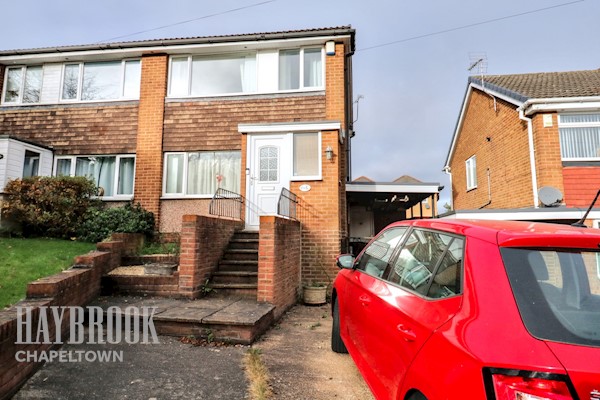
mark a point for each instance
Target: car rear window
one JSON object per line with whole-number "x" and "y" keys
{"x": 557, "y": 293}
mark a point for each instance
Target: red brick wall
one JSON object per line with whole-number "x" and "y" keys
{"x": 580, "y": 185}
{"x": 203, "y": 242}
{"x": 74, "y": 287}
{"x": 505, "y": 154}
{"x": 547, "y": 153}
{"x": 213, "y": 125}
{"x": 149, "y": 156}
{"x": 279, "y": 262}
{"x": 71, "y": 130}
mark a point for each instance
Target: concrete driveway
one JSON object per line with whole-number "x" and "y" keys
{"x": 296, "y": 352}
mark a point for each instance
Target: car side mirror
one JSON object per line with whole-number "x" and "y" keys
{"x": 345, "y": 261}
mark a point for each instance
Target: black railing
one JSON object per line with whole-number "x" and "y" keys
{"x": 287, "y": 205}
{"x": 227, "y": 204}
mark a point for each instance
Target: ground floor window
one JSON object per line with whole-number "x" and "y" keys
{"x": 201, "y": 173}
{"x": 114, "y": 174}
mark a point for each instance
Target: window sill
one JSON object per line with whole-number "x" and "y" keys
{"x": 68, "y": 103}
{"x": 186, "y": 197}
{"x": 115, "y": 198}
{"x": 471, "y": 189}
{"x": 306, "y": 178}
{"x": 225, "y": 96}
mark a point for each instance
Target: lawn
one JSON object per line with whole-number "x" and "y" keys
{"x": 25, "y": 260}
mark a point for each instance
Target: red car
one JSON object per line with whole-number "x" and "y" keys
{"x": 449, "y": 309}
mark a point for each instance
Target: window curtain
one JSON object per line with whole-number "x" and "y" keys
{"x": 313, "y": 68}
{"x": 209, "y": 171}
{"x": 289, "y": 69}
{"x": 63, "y": 167}
{"x": 174, "y": 174}
{"x": 580, "y": 142}
{"x": 306, "y": 154}
{"x": 248, "y": 74}
{"x": 126, "y": 175}
{"x": 100, "y": 169}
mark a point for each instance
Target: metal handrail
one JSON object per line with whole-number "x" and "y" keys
{"x": 287, "y": 204}
{"x": 227, "y": 204}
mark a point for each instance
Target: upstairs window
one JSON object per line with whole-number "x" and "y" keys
{"x": 212, "y": 75}
{"x": 23, "y": 85}
{"x": 301, "y": 69}
{"x": 471, "y": 166}
{"x": 106, "y": 80}
{"x": 579, "y": 137}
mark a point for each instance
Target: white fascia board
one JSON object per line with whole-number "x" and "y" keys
{"x": 561, "y": 104}
{"x": 463, "y": 111}
{"x": 524, "y": 215}
{"x": 386, "y": 188}
{"x": 290, "y": 127}
{"x": 208, "y": 48}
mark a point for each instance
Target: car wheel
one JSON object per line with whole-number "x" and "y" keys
{"x": 337, "y": 345}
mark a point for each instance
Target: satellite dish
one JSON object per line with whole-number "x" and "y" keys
{"x": 550, "y": 196}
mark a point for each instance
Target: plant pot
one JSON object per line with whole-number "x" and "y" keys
{"x": 315, "y": 295}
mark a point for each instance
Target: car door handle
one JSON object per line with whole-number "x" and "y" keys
{"x": 364, "y": 299}
{"x": 408, "y": 334}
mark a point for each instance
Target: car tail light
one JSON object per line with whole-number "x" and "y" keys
{"x": 527, "y": 385}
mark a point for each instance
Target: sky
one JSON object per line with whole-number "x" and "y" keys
{"x": 411, "y": 63}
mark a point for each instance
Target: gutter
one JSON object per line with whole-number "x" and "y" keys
{"x": 534, "y": 182}
{"x": 533, "y": 106}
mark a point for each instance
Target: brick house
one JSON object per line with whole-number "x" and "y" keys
{"x": 527, "y": 147}
{"x": 168, "y": 122}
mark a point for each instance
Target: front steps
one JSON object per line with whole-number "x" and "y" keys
{"x": 216, "y": 318}
{"x": 237, "y": 272}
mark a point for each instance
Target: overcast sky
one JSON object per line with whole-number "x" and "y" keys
{"x": 412, "y": 89}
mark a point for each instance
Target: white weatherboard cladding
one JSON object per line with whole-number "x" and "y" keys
{"x": 268, "y": 78}
{"x": 51, "y": 83}
{"x": 11, "y": 166}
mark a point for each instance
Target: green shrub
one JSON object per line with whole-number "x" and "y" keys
{"x": 48, "y": 206}
{"x": 100, "y": 222}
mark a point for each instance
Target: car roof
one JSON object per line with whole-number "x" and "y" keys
{"x": 515, "y": 233}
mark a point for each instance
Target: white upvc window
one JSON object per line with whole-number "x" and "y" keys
{"x": 306, "y": 156}
{"x": 23, "y": 85}
{"x": 579, "y": 137}
{"x": 200, "y": 174}
{"x": 212, "y": 75}
{"x": 301, "y": 69}
{"x": 101, "y": 81}
{"x": 113, "y": 174}
{"x": 471, "y": 167}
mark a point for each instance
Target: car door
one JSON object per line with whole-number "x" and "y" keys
{"x": 419, "y": 294}
{"x": 362, "y": 292}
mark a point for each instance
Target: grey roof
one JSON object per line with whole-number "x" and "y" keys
{"x": 291, "y": 34}
{"x": 522, "y": 87}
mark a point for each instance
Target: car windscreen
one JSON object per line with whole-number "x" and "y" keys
{"x": 557, "y": 293}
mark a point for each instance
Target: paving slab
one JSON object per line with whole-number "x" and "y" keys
{"x": 242, "y": 312}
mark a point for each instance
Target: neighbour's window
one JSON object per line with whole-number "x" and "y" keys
{"x": 23, "y": 85}
{"x": 114, "y": 175}
{"x": 31, "y": 164}
{"x": 201, "y": 173}
{"x": 306, "y": 157}
{"x": 374, "y": 259}
{"x": 471, "y": 166}
{"x": 301, "y": 69}
{"x": 106, "y": 80}
{"x": 579, "y": 136}
{"x": 429, "y": 264}
{"x": 213, "y": 75}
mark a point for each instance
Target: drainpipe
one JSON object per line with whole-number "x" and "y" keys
{"x": 534, "y": 182}
{"x": 448, "y": 171}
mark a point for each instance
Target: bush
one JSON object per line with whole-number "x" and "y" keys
{"x": 48, "y": 206}
{"x": 100, "y": 222}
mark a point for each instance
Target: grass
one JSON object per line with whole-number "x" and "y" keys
{"x": 258, "y": 375}
{"x": 160, "y": 248}
{"x": 25, "y": 260}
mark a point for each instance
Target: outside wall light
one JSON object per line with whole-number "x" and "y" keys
{"x": 329, "y": 153}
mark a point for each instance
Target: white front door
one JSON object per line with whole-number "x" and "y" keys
{"x": 269, "y": 170}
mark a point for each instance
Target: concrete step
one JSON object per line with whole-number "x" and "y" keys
{"x": 243, "y": 244}
{"x": 226, "y": 319}
{"x": 241, "y": 254}
{"x": 233, "y": 277}
{"x": 242, "y": 290}
{"x": 246, "y": 235}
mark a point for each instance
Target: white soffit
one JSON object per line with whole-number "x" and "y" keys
{"x": 290, "y": 127}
